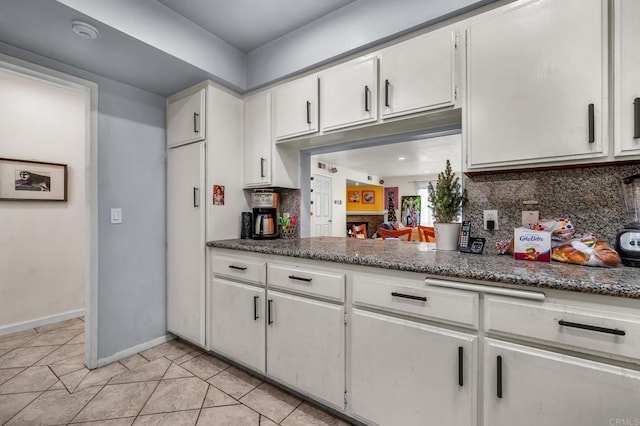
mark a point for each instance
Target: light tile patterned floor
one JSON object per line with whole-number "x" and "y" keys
{"x": 43, "y": 381}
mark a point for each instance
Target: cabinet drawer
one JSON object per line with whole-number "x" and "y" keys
{"x": 411, "y": 297}
{"x": 562, "y": 324}
{"x": 307, "y": 281}
{"x": 239, "y": 268}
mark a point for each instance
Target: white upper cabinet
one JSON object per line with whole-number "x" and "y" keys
{"x": 186, "y": 119}
{"x": 349, "y": 94}
{"x": 418, "y": 74}
{"x": 537, "y": 84}
{"x": 257, "y": 140}
{"x": 627, "y": 84}
{"x": 296, "y": 107}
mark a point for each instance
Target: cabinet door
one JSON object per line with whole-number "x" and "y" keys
{"x": 296, "y": 107}
{"x": 237, "y": 322}
{"x": 186, "y": 242}
{"x": 537, "y": 87}
{"x": 407, "y": 373}
{"x": 306, "y": 346}
{"x": 257, "y": 139}
{"x": 186, "y": 120}
{"x": 418, "y": 74}
{"x": 348, "y": 94}
{"x": 627, "y": 83}
{"x": 528, "y": 386}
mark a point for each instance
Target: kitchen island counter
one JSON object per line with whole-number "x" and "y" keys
{"x": 423, "y": 258}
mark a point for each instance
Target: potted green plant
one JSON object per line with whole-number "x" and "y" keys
{"x": 446, "y": 200}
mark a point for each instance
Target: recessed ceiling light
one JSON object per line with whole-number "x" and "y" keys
{"x": 84, "y": 30}
{"x": 401, "y": 158}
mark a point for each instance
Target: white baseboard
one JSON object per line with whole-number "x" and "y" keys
{"x": 39, "y": 322}
{"x": 134, "y": 350}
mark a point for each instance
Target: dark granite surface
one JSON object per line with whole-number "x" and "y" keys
{"x": 422, "y": 257}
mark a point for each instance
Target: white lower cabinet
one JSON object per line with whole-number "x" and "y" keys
{"x": 407, "y": 373}
{"x": 306, "y": 346}
{"x": 238, "y": 321}
{"x": 532, "y": 387}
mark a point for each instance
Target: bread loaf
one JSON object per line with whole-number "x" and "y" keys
{"x": 586, "y": 252}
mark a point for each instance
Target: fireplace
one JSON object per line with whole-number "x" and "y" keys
{"x": 372, "y": 222}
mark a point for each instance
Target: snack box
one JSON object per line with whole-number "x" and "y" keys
{"x": 531, "y": 245}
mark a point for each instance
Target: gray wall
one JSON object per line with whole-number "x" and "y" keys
{"x": 131, "y": 175}
{"x": 353, "y": 28}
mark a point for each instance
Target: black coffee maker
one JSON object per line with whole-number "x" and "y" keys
{"x": 265, "y": 215}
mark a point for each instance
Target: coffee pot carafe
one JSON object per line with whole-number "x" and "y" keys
{"x": 628, "y": 240}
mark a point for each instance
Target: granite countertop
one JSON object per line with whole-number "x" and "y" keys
{"x": 422, "y": 257}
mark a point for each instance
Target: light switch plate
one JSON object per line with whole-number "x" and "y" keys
{"x": 529, "y": 217}
{"x": 116, "y": 215}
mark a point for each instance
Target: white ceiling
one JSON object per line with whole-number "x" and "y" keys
{"x": 421, "y": 157}
{"x": 249, "y": 24}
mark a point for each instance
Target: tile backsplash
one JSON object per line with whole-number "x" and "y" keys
{"x": 589, "y": 197}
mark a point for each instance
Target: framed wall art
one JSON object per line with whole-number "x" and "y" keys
{"x": 368, "y": 197}
{"x": 354, "y": 196}
{"x": 22, "y": 180}
{"x": 410, "y": 212}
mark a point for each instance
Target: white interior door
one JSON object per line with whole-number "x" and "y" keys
{"x": 321, "y": 206}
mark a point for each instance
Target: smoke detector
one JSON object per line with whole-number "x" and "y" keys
{"x": 84, "y": 30}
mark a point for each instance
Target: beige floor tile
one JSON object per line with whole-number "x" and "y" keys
{"x": 72, "y": 324}
{"x": 38, "y": 378}
{"x": 7, "y": 373}
{"x": 176, "y": 372}
{"x": 73, "y": 379}
{"x": 10, "y": 405}
{"x": 266, "y": 422}
{"x": 78, "y": 339}
{"x": 187, "y": 357}
{"x": 54, "y": 408}
{"x": 133, "y": 361}
{"x": 102, "y": 375}
{"x": 176, "y": 395}
{"x": 205, "y": 366}
{"x": 13, "y": 340}
{"x": 76, "y": 359}
{"x": 58, "y": 386}
{"x": 25, "y": 357}
{"x": 116, "y": 401}
{"x": 153, "y": 370}
{"x": 179, "y": 418}
{"x": 62, "y": 369}
{"x": 271, "y": 402}
{"x": 216, "y": 398}
{"x": 156, "y": 352}
{"x": 178, "y": 349}
{"x": 308, "y": 415}
{"x": 113, "y": 422}
{"x": 229, "y": 416}
{"x": 235, "y": 382}
{"x": 63, "y": 353}
{"x": 55, "y": 337}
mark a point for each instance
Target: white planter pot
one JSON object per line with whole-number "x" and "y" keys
{"x": 447, "y": 235}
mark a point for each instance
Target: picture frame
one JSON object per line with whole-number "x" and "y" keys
{"x": 25, "y": 180}
{"x": 368, "y": 197}
{"x": 353, "y": 196}
{"x": 391, "y": 192}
